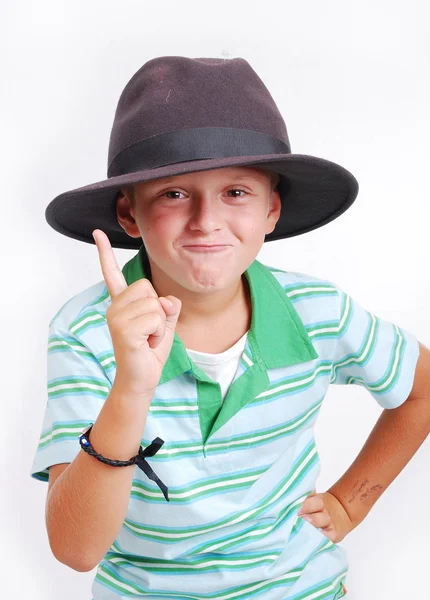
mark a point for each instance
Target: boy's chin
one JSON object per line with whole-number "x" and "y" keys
{"x": 211, "y": 281}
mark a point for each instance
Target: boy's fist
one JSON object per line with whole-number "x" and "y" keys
{"x": 326, "y": 513}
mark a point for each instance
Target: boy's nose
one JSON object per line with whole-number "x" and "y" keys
{"x": 205, "y": 213}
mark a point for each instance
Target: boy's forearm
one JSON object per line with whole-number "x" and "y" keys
{"x": 87, "y": 504}
{"x": 393, "y": 441}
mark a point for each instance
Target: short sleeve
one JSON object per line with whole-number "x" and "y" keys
{"x": 374, "y": 353}
{"x": 77, "y": 387}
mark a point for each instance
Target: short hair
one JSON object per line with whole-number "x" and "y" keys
{"x": 274, "y": 180}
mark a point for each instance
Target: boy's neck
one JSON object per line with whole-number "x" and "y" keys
{"x": 217, "y": 331}
{"x": 206, "y": 308}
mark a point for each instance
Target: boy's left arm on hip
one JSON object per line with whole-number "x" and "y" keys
{"x": 393, "y": 441}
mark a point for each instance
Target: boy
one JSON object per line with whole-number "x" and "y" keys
{"x": 220, "y": 387}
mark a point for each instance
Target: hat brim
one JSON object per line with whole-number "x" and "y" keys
{"x": 313, "y": 191}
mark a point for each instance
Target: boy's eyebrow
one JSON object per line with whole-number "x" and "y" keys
{"x": 247, "y": 177}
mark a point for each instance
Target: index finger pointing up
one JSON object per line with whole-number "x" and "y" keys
{"x": 112, "y": 274}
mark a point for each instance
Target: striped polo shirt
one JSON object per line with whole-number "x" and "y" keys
{"x": 237, "y": 468}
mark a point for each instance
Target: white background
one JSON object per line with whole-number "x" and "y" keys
{"x": 352, "y": 82}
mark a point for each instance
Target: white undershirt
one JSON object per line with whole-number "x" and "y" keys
{"x": 220, "y": 367}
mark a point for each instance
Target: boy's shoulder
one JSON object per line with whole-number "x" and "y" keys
{"x": 314, "y": 298}
{"x": 93, "y": 300}
{"x": 295, "y": 279}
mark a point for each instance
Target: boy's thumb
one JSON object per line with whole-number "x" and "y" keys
{"x": 172, "y": 312}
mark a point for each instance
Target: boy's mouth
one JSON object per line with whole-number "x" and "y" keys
{"x": 202, "y": 248}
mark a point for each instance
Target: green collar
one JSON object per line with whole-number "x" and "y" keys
{"x": 277, "y": 336}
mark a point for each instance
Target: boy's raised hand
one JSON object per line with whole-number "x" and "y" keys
{"x": 142, "y": 325}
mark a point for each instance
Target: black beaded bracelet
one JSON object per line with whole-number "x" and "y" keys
{"x": 138, "y": 460}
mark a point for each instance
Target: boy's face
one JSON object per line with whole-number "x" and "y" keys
{"x": 231, "y": 206}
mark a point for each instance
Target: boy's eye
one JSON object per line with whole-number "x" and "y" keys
{"x": 237, "y": 190}
{"x": 172, "y": 192}
{"x": 230, "y": 190}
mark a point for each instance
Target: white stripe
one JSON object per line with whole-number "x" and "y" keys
{"x": 202, "y": 488}
{"x": 107, "y": 361}
{"x": 121, "y": 584}
{"x": 310, "y": 289}
{"x": 67, "y": 386}
{"x": 73, "y": 430}
{"x": 396, "y": 362}
{"x": 246, "y": 359}
{"x": 268, "y": 435}
{"x": 173, "y": 408}
{"x": 287, "y": 386}
{"x": 333, "y": 329}
{"x": 346, "y": 312}
{"x": 329, "y": 588}
{"x": 63, "y": 343}
{"x": 353, "y": 359}
{"x": 173, "y": 451}
{"x": 257, "y": 532}
{"x": 86, "y": 320}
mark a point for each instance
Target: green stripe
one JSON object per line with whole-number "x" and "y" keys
{"x": 185, "y": 412}
{"x": 346, "y": 314}
{"x": 59, "y": 431}
{"x": 86, "y": 320}
{"x": 186, "y": 406}
{"x": 78, "y": 385}
{"x": 389, "y": 380}
{"x": 322, "y": 331}
{"x": 298, "y": 292}
{"x": 62, "y": 346}
{"x": 104, "y": 296}
{"x": 107, "y": 359}
{"x": 360, "y": 357}
{"x": 293, "y": 384}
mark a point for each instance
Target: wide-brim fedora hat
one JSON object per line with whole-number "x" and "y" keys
{"x": 180, "y": 115}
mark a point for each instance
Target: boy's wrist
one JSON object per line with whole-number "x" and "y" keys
{"x": 123, "y": 390}
{"x": 354, "y": 520}
{"x": 339, "y": 515}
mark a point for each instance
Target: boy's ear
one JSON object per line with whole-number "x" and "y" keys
{"x": 125, "y": 214}
{"x": 274, "y": 211}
